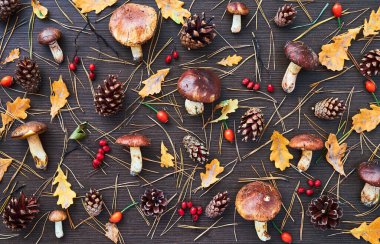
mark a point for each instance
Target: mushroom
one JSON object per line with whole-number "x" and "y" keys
{"x": 198, "y": 86}
{"x": 260, "y": 202}
{"x": 30, "y": 131}
{"x": 307, "y": 143}
{"x": 134, "y": 142}
{"x": 132, "y": 25}
{"x": 301, "y": 56}
{"x": 237, "y": 9}
{"x": 50, "y": 36}
{"x": 57, "y": 216}
{"x": 369, "y": 172}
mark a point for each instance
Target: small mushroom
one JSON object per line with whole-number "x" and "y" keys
{"x": 134, "y": 142}
{"x": 369, "y": 172}
{"x": 50, "y": 36}
{"x": 132, "y": 25}
{"x": 259, "y": 202}
{"x": 307, "y": 143}
{"x": 57, "y": 216}
{"x": 237, "y": 9}
{"x": 301, "y": 56}
{"x": 199, "y": 86}
{"x": 30, "y": 131}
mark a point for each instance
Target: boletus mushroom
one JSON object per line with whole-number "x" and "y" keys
{"x": 260, "y": 202}
{"x": 57, "y": 216}
{"x": 132, "y": 25}
{"x": 301, "y": 57}
{"x": 307, "y": 143}
{"x": 134, "y": 142}
{"x": 50, "y": 36}
{"x": 237, "y": 9}
{"x": 31, "y": 131}
{"x": 199, "y": 86}
{"x": 369, "y": 172}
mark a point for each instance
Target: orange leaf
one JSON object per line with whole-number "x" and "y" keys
{"x": 366, "y": 120}
{"x": 174, "y": 10}
{"x": 230, "y": 60}
{"x": 15, "y": 109}
{"x": 166, "y": 158}
{"x": 369, "y": 232}
{"x": 213, "y": 169}
{"x": 153, "y": 83}
{"x": 372, "y": 26}
{"x": 93, "y": 5}
{"x": 13, "y": 55}
{"x": 280, "y": 153}
{"x": 39, "y": 10}
{"x": 58, "y": 97}
{"x": 4, "y": 164}
{"x": 335, "y": 153}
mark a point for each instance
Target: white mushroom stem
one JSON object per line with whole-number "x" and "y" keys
{"x": 37, "y": 151}
{"x": 58, "y": 229}
{"x": 262, "y": 230}
{"x": 136, "y": 160}
{"x": 56, "y": 51}
{"x": 236, "y": 23}
{"x": 137, "y": 53}
{"x": 370, "y": 195}
{"x": 194, "y": 108}
{"x": 305, "y": 160}
{"x": 290, "y": 77}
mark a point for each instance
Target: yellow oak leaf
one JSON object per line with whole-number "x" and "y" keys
{"x": 279, "y": 151}
{"x": 93, "y": 5}
{"x": 213, "y": 169}
{"x": 230, "y": 60}
{"x": 112, "y": 232}
{"x": 369, "y": 232}
{"x": 227, "y": 106}
{"x": 58, "y": 97}
{"x": 173, "y": 9}
{"x": 166, "y": 158}
{"x": 15, "y": 109}
{"x": 63, "y": 190}
{"x": 39, "y": 10}
{"x": 372, "y": 26}
{"x": 153, "y": 83}
{"x": 12, "y": 56}
{"x": 334, "y": 54}
{"x": 367, "y": 119}
{"x": 335, "y": 153}
{"x": 4, "y": 164}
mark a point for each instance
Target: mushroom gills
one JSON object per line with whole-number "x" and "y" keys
{"x": 305, "y": 160}
{"x": 262, "y": 230}
{"x": 370, "y": 195}
{"x": 56, "y": 51}
{"x": 137, "y": 53}
{"x": 236, "y": 23}
{"x": 290, "y": 77}
{"x": 37, "y": 151}
{"x": 194, "y": 108}
{"x": 136, "y": 160}
{"x": 58, "y": 229}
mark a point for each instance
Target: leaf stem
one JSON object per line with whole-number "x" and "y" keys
{"x": 149, "y": 106}
{"x": 129, "y": 206}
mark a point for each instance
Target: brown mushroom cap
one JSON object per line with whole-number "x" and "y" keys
{"x": 134, "y": 140}
{"x": 57, "y": 215}
{"x": 199, "y": 85}
{"x": 29, "y": 129}
{"x": 369, "y": 172}
{"x": 49, "y": 35}
{"x": 258, "y": 201}
{"x": 133, "y": 24}
{"x": 308, "y": 142}
{"x": 237, "y": 8}
{"x": 302, "y": 55}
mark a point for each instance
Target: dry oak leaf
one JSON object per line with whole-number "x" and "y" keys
{"x": 279, "y": 151}
{"x": 166, "y": 158}
{"x": 15, "y": 109}
{"x": 369, "y": 232}
{"x": 58, "y": 97}
{"x": 372, "y": 26}
{"x": 63, "y": 190}
{"x": 367, "y": 119}
{"x": 12, "y": 56}
{"x": 213, "y": 169}
{"x": 39, "y": 10}
{"x": 93, "y": 5}
{"x": 153, "y": 83}
{"x": 112, "y": 232}
{"x": 227, "y": 106}
{"x": 334, "y": 54}
{"x": 335, "y": 153}
{"x": 174, "y": 10}
{"x": 4, "y": 164}
{"x": 230, "y": 60}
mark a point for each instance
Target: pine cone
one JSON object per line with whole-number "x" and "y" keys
{"x": 197, "y": 32}
{"x": 329, "y": 108}
{"x": 153, "y": 202}
{"x": 285, "y": 15}
{"x": 217, "y": 205}
{"x": 196, "y": 149}
{"x": 109, "y": 96}
{"x": 325, "y": 212}
{"x": 370, "y": 64}
{"x": 93, "y": 202}
{"x": 252, "y": 124}
{"x": 20, "y": 212}
{"x": 8, "y": 8}
{"x": 28, "y": 75}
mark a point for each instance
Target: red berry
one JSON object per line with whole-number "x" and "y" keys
{"x": 106, "y": 148}
{"x": 250, "y": 85}
{"x": 91, "y": 75}
{"x": 193, "y": 210}
{"x": 317, "y": 183}
{"x": 190, "y": 204}
{"x": 72, "y": 66}
{"x": 286, "y": 237}
{"x": 168, "y": 59}
{"x": 91, "y": 67}
{"x": 100, "y": 150}
{"x": 309, "y": 192}
{"x": 96, "y": 163}
{"x": 183, "y": 205}
{"x": 256, "y": 87}
{"x": 116, "y": 217}
{"x": 300, "y": 190}
{"x": 199, "y": 210}
{"x": 195, "y": 218}
{"x": 181, "y": 212}
{"x": 7, "y": 81}
{"x": 162, "y": 116}
{"x": 337, "y": 10}
{"x": 76, "y": 60}
{"x": 102, "y": 142}
{"x": 310, "y": 182}
{"x": 370, "y": 86}
{"x": 245, "y": 81}
{"x": 100, "y": 156}
{"x": 229, "y": 135}
{"x": 175, "y": 54}
{"x": 270, "y": 88}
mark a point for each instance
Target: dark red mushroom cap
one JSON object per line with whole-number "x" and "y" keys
{"x": 369, "y": 172}
{"x": 308, "y": 142}
{"x": 133, "y": 140}
{"x": 199, "y": 85}
{"x": 301, "y": 54}
{"x": 237, "y": 8}
{"x": 49, "y": 35}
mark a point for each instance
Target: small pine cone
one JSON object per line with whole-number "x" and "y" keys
{"x": 153, "y": 202}
{"x": 109, "y": 97}
{"x": 28, "y": 75}
{"x": 197, "y": 32}
{"x": 325, "y": 212}
{"x": 20, "y": 212}
{"x": 252, "y": 124}
{"x": 93, "y": 202}
{"x": 196, "y": 149}
{"x": 370, "y": 64}
{"x": 8, "y": 8}
{"x": 285, "y": 15}
{"x": 217, "y": 205}
{"x": 329, "y": 108}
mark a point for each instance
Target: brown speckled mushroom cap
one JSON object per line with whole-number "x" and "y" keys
{"x": 133, "y": 140}
{"x": 49, "y": 35}
{"x": 199, "y": 85}
{"x": 133, "y": 24}
{"x": 258, "y": 201}
{"x": 369, "y": 172}
{"x": 308, "y": 142}
{"x": 57, "y": 216}
{"x": 29, "y": 129}
{"x": 237, "y": 8}
{"x": 302, "y": 55}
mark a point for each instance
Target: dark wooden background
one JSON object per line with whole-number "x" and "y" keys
{"x": 133, "y": 228}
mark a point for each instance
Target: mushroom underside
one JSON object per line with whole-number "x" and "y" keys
{"x": 194, "y": 108}
{"x": 305, "y": 160}
{"x": 136, "y": 160}
{"x": 290, "y": 77}
{"x": 236, "y": 23}
{"x": 262, "y": 230}
{"x": 36, "y": 149}
{"x": 370, "y": 195}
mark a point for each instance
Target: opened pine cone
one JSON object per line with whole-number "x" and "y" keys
{"x": 8, "y": 8}
{"x": 252, "y": 124}
{"x": 28, "y": 75}
{"x": 196, "y": 149}
{"x": 285, "y": 15}
{"x": 329, "y": 108}
{"x": 93, "y": 202}
{"x": 325, "y": 212}
{"x": 370, "y": 64}
{"x": 153, "y": 202}
{"x": 109, "y": 97}
{"x": 217, "y": 205}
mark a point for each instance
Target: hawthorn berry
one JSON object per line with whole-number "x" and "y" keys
{"x": 193, "y": 210}
{"x": 189, "y": 204}
{"x": 183, "y": 205}
{"x": 245, "y": 81}
{"x": 199, "y": 210}
{"x": 229, "y": 135}
{"x": 181, "y": 212}
{"x": 370, "y": 86}
{"x": 250, "y": 85}
{"x": 300, "y": 190}
{"x": 162, "y": 116}
{"x": 106, "y": 148}
{"x": 72, "y": 66}
{"x": 270, "y": 88}
{"x": 286, "y": 237}
{"x": 310, "y": 182}
{"x": 168, "y": 59}
{"x": 317, "y": 183}
{"x": 309, "y": 192}
{"x": 175, "y": 54}
{"x": 195, "y": 218}
{"x": 102, "y": 142}
{"x": 7, "y": 81}
{"x": 256, "y": 87}
{"x": 91, "y": 67}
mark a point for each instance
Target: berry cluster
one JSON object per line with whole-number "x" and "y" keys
{"x": 194, "y": 211}
{"x": 91, "y": 75}
{"x": 104, "y": 148}
{"x": 255, "y": 86}
{"x": 309, "y": 192}
{"x": 174, "y": 54}
{"x": 73, "y": 64}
